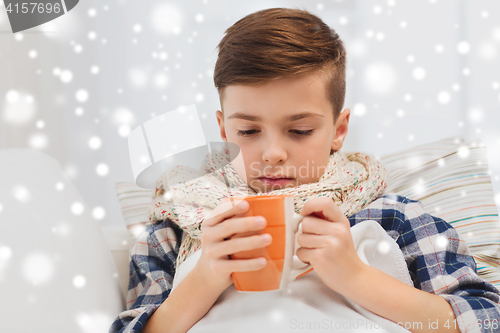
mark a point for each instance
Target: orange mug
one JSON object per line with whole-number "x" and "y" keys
{"x": 282, "y": 264}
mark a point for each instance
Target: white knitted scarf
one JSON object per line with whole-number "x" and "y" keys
{"x": 352, "y": 180}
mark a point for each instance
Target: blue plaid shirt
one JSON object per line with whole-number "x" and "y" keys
{"x": 446, "y": 270}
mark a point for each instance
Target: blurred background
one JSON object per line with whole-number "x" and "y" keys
{"x": 75, "y": 87}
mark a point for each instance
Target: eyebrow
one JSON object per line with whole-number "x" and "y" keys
{"x": 293, "y": 117}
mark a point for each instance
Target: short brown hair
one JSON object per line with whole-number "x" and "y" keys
{"x": 276, "y": 43}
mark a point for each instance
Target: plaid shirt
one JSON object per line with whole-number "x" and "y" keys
{"x": 439, "y": 262}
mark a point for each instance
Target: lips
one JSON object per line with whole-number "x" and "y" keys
{"x": 275, "y": 181}
{"x": 275, "y": 177}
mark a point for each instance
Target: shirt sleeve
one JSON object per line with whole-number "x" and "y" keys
{"x": 152, "y": 269}
{"x": 440, "y": 263}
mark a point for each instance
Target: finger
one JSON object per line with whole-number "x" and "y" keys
{"x": 243, "y": 265}
{"x": 310, "y": 241}
{"x": 305, "y": 254}
{"x": 240, "y": 244}
{"x": 238, "y": 225}
{"x": 318, "y": 226}
{"x": 226, "y": 209}
{"x": 325, "y": 208}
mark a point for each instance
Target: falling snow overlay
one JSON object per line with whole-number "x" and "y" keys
{"x": 75, "y": 88}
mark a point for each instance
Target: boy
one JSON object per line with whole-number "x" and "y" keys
{"x": 280, "y": 74}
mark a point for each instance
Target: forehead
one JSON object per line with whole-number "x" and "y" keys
{"x": 286, "y": 98}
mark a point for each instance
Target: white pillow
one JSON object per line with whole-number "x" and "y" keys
{"x": 134, "y": 202}
{"x": 56, "y": 272}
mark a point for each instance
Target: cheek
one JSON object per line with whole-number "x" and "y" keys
{"x": 239, "y": 166}
{"x": 316, "y": 169}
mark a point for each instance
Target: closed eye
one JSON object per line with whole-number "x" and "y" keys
{"x": 297, "y": 132}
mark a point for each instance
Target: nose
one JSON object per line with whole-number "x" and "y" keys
{"x": 274, "y": 152}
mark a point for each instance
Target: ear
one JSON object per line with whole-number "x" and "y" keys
{"x": 220, "y": 121}
{"x": 341, "y": 127}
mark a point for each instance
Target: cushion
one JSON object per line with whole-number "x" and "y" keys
{"x": 56, "y": 271}
{"x": 452, "y": 181}
{"x": 134, "y": 203}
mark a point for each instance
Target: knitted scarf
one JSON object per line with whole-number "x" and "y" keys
{"x": 352, "y": 180}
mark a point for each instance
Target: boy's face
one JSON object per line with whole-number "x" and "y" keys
{"x": 273, "y": 145}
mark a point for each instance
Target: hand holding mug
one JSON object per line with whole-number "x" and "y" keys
{"x": 326, "y": 242}
{"x": 225, "y": 221}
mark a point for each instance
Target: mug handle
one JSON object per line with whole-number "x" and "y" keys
{"x": 295, "y": 272}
